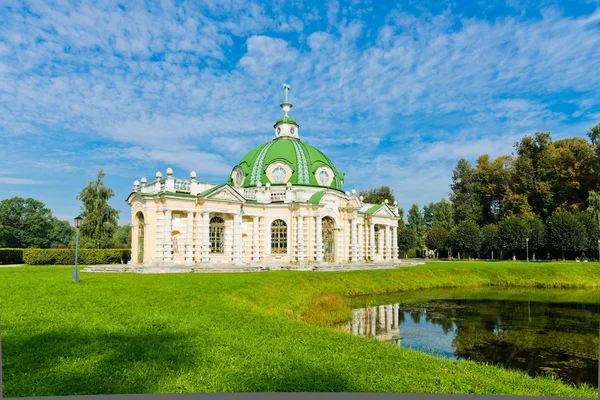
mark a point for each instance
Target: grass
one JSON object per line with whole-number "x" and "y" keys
{"x": 174, "y": 333}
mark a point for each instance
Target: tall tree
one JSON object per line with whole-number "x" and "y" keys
{"x": 537, "y": 235}
{"x": 532, "y": 173}
{"x": 565, "y": 232}
{"x": 61, "y": 233}
{"x": 406, "y": 240}
{"x": 489, "y": 235}
{"x": 122, "y": 237}
{"x": 512, "y": 232}
{"x": 24, "y": 223}
{"x": 416, "y": 223}
{"x": 439, "y": 214}
{"x": 466, "y": 237}
{"x": 464, "y": 198}
{"x": 592, "y": 231}
{"x": 99, "y": 218}
{"x": 490, "y": 184}
{"x": 594, "y": 204}
{"x": 378, "y": 195}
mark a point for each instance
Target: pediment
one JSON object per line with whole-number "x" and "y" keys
{"x": 226, "y": 193}
{"x": 384, "y": 211}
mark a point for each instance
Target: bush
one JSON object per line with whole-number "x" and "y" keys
{"x": 67, "y": 256}
{"x": 11, "y": 256}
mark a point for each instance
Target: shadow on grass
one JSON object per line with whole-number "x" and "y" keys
{"x": 78, "y": 362}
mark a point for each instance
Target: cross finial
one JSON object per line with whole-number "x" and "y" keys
{"x": 286, "y": 87}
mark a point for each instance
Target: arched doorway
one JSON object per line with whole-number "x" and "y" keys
{"x": 140, "y": 238}
{"x": 328, "y": 239}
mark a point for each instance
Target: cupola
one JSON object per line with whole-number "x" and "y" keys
{"x": 286, "y": 126}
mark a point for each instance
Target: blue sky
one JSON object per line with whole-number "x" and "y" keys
{"x": 394, "y": 92}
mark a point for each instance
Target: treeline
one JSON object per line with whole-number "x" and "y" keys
{"x": 28, "y": 223}
{"x": 544, "y": 196}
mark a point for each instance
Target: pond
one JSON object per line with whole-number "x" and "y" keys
{"x": 533, "y": 335}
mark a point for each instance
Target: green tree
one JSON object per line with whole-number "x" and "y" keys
{"x": 464, "y": 198}
{"x": 437, "y": 238}
{"x": 489, "y": 242}
{"x": 537, "y": 235}
{"x": 594, "y": 204}
{"x": 416, "y": 223}
{"x": 24, "y": 223}
{"x": 512, "y": 232}
{"x": 592, "y": 231}
{"x": 99, "y": 218}
{"x": 439, "y": 214}
{"x": 532, "y": 173}
{"x": 466, "y": 237}
{"x": 565, "y": 232}
{"x": 122, "y": 237}
{"x": 594, "y": 134}
{"x": 490, "y": 185}
{"x": 406, "y": 240}
{"x": 61, "y": 233}
{"x": 378, "y": 195}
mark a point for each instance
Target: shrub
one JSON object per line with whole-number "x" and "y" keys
{"x": 11, "y": 256}
{"x": 67, "y": 256}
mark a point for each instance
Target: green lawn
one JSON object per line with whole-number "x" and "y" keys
{"x": 172, "y": 333}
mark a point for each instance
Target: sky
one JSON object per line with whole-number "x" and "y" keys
{"x": 395, "y": 93}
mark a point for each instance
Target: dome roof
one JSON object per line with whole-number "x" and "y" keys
{"x": 286, "y": 160}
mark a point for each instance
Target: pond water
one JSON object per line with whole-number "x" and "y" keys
{"x": 532, "y": 336}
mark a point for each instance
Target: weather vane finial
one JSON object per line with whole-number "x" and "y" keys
{"x": 286, "y": 87}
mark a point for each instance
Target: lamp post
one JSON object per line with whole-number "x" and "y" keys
{"x": 78, "y": 222}
{"x": 527, "y": 243}
{"x": 598, "y": 249}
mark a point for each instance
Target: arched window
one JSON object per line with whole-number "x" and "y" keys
{"x": 377, "y": 239}
{"x": 278, "y": 237}
{"x": 217, "y": 235}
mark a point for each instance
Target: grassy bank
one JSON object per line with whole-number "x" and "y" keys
{"x": 128, "y": 333}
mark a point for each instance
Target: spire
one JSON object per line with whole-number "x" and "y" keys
{"x": 286, "y": 126}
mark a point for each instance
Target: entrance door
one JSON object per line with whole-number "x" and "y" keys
{"x": 328, "y": 240}
{"x": 140, "y": 255}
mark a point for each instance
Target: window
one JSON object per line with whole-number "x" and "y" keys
{"x": 377, "y": 239}
{"x": 217, "y": 235}
{"x": 278, "y": 237}
{"x": 279, "y": 174}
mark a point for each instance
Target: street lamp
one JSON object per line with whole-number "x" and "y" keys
{"x": 527, "y": 243}
{"x": 78, "y": 222}
{"x": 598, "y": 249}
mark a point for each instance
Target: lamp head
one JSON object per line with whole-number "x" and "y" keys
{"x": 78, "y": 222}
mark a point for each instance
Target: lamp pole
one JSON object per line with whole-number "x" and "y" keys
{"x": 78, "y": 221}
{"x": 527, "y": 243}
{"x": 598, "y": 249}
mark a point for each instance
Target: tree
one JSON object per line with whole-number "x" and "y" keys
{"x": 489, "y": 243}
{"x": 24, "y": 223}
{"x": 464, "y": 200}
{"x": 406, "y": 240}
{"x": 565, "y": 232}
{"x": 537, "y": 235}
{"x": 594, "y": 134}
{"x": 439, "y": 214}
{"x": 99, "y": 218}
{"x": 416, "y": 223}
{"x": 512, "y": 232}
{"x": 466, "y": 237}
{"x": 532, "y": 173}
{"x": 490, "y": 185}
{"x": 378, "y": 195}
{"x": 437, "y": 238}
{"x": 594, "y": 205}
{"x": 122, "y": 237}
{"x": 592, "y": 231}
{"x": 61, "y": 233}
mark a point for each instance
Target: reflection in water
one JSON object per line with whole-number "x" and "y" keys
{"x": 534, "y": 337}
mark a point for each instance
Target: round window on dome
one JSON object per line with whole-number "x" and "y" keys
{"x": 324, "y": 177}
{"x": 279, "y": 174}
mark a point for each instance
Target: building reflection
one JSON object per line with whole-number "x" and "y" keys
{"x": 380, "y": 322}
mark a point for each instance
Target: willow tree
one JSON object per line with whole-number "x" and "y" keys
{"x": 99, "y": 218}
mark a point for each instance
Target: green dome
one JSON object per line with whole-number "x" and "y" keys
{"x": 286, "y": 119}
{"x": 303, "y": 159}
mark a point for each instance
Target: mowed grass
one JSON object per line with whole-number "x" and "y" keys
{"x": 173, "y": 333}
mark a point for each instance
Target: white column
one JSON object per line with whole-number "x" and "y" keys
{"x": 355, "y": 322}
{"x": 198, "y": 237}
{"x": 189, "y": 239}
{"x": 373, "y": 321}
{"x": 395, "y": 243}
{"x": 361, "y": 326}
{"x": 372, "y": 239}
{"x": 319, "y": 239}
{"x": 160, "y": 236}
{"x": 168, "y": 257}
{"x": 395, "y": 322}
{"x": 381, "y": 315}
{"x": 388, "y": 319}
{"x": 237, "y": 237}
{"x": 205, "y": 236}
{"x": 361, "y": 250}
{"x": 353, "y": 241}
{"x": 300, "y": 236}
{"x": 255, "y": 237}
